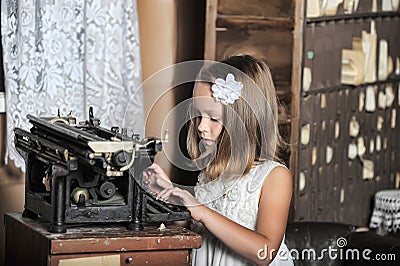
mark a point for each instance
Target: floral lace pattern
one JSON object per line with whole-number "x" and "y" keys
{"x": 238, "y": 198}
{"x": 69, "y": 55}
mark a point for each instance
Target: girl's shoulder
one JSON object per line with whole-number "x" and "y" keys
{"x": 261, "y": 172}
{"x": 269, "y": 164}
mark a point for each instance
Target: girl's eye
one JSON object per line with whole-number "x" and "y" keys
{"x": 214, "y": 119}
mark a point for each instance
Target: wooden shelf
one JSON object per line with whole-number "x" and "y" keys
{"x": 258, "y": 23}
{"x": 371, "y": 15}
{"x": 346, "y": 87}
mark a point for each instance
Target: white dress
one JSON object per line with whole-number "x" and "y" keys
{"x": 237, "y": 200}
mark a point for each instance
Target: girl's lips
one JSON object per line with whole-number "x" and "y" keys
{"x": 207, "y": 141}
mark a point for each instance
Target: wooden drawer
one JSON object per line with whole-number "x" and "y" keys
{"x": 158, "y": 257}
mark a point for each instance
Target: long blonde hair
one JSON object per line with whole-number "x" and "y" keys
{"x": 251, "y": 122}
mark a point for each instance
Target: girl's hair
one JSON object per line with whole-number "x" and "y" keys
{"x": 251, "y": 122}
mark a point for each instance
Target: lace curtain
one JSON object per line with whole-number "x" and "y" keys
{"x": 69, "y": 55}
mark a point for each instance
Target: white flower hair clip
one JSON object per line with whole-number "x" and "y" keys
{"x": 227, "y": 91}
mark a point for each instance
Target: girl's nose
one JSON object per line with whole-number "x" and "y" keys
{"x": 203, "y": 124}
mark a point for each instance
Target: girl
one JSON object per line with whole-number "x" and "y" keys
{"x": 241, "y": 201}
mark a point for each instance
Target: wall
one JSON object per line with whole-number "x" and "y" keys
{"x": 11, "y": 200}
{"x": 171, "y": 31}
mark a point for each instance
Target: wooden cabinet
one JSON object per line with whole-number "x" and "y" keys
{"x": 346, "y": 134}
{"x": 302, "y": 41}
{"x": 28, "y": 242}
{"x": 262, "y": 28}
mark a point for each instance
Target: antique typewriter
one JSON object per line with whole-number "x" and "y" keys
{"x": 84, "y": 173}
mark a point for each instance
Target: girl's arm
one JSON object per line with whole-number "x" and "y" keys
{"x": 271, "y": 222}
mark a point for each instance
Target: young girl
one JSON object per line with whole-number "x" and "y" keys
{"x": 241, "y": 201}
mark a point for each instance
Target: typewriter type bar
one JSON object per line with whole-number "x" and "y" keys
{"x": 84, "y": 173}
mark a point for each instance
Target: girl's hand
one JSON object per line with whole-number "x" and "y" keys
{"x": 184, "y": 197}
{"x": 156, "y": 179}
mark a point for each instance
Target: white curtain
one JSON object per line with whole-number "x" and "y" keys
{"x": 69, "y": 55}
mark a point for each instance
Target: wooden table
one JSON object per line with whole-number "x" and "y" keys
{"x": 28, "y": 242}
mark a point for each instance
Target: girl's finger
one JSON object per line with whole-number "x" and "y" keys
{"x": 158, "y": 170}
{"x": 168, "y": 195}
{"x": 149, "y": 172}
{"x": 164, "y": 183}
{"x": 145, "y": 175}
{"x": 164, "y": 194}
{"x": 154, "y": 167}
{"x": 186, "y": 198}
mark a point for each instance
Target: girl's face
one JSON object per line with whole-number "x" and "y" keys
{"x": 208, "y": 113}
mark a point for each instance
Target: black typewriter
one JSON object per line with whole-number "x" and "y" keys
{"x": 84, "y": 173}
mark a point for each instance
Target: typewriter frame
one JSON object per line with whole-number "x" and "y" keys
{"x": 58, "y": 150}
